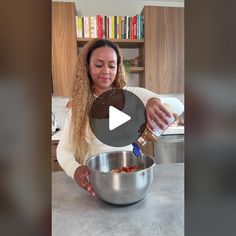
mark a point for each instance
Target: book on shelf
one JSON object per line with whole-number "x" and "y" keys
{"x": 122, "y": 27}
{"x": 99, "y": 23}
{"x": 79, "y": 29}
{"x": 86, "y": 26}
{"x": 113, "y": 27}
{"x": 134, "y": 27}
{"x": 109, "y": 27}
{"x": 94, "y": 25}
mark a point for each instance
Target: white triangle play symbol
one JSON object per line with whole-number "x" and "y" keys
{"x": 117, "y": 118}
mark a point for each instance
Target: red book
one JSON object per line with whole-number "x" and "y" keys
{"x": 134, "y": 27}
{"x": 99, "y": 19}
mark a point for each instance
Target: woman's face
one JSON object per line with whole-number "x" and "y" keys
{"x": 103, "y": 68}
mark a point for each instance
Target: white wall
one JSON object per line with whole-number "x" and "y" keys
{"x": 118, "y": 7}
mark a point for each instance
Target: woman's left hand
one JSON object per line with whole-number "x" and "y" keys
{"x": 81, "y": 177}
{"x": 157, "y": 113}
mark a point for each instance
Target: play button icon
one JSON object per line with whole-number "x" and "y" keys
{"x": 117, "y": 118}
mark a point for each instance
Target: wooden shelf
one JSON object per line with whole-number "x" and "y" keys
{"x": 136, "y": 69}
{"x": 123, "y": 43}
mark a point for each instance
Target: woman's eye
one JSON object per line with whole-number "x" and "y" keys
{"x": 111, "y": 66}
{"x": 98, "y": 66}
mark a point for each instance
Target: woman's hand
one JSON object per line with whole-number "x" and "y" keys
{"x": 81, "y": 178}
{"x": 157, "y": 113}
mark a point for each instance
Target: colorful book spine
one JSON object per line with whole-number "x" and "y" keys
{"x": 122, "y": 27}
{"x": 108, "y": 27}
{"x": 118, "y": 27}
{"x": 138, "y": 26}
{"x": 106, "y": 21}
{"x": 99, "y": 20}
{"x": 93, "y": 27}
{"x": 126, "y": 27}
{"x": 130, "y": 28}
{"x": 89, "y": 26}
{"x": 83, "y": 27}
{"x": 77, "y": 26}
{"x": 134, "y": 27}
{"x": 86, "y": 27}
{"x": 113, "y": 27}
{"x": 141, "y": 27}
{"x": 103, "y": 27}
{"x": 80, "y": 28}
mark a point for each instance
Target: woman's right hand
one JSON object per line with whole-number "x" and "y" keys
{"x": 157, "y": 114}
{"x": 81, "y": 177}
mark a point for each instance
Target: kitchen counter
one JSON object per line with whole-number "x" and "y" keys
{"x": 161, "y": 212}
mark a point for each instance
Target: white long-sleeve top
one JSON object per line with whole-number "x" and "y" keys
{"x": 65, "y": 150}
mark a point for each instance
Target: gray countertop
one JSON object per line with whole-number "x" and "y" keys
{"x": 76, "y": 212}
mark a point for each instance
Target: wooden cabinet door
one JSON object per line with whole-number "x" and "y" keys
{"x": 163, "y": 49}
{"x": 64, "y": 47}
{"x": 55, "y": 164}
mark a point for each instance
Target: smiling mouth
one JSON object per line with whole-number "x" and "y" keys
{"x": 103, "y": 78}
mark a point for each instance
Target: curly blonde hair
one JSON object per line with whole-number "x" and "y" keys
{"x": 82, "y": 93}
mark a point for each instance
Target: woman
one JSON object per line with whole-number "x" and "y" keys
{"x": 99, "y": 69}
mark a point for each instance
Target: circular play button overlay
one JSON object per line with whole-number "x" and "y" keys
{"x": 117, "y": 117}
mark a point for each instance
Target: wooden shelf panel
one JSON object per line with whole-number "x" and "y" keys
{"x": 64, "y": 47}
{"x": 123, "y": 43}
{"x": 136, "y": 69}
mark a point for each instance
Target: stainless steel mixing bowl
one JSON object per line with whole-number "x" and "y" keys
{"x": 120, "y": 188}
